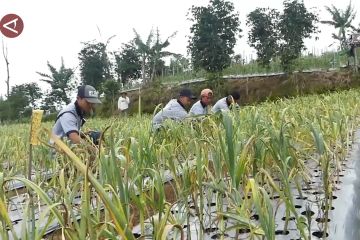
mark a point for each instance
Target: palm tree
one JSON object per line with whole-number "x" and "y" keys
{"x": 144, "y": 49}
{"x": 60, "y": 81}
{"x": 341, "y": 20}
{"x": 151, "y": 52}
{"x": 157, "y": 52}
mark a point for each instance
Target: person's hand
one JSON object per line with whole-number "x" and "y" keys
{"x": 92, "y": 136}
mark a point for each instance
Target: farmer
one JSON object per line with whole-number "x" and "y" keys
{"x": 123, "y": 103}
{"x": 71, "y": 118}
{"x": 227, "y": 103}
{"x": 175, "y": 109}
{"x": 201, "y": 107}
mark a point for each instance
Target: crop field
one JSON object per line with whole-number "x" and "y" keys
{"x": 267, "y": 171}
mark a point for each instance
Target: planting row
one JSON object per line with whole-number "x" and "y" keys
{"x": 257, "y": 166}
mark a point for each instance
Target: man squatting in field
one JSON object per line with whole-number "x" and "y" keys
{"x": 71, "y": 118}
{"x": 227, "y": 103}
{"x": 175, "y": 109}
{"x": 202, "y": 106}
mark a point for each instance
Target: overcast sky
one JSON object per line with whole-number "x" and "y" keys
{"x": 55, "y": 29}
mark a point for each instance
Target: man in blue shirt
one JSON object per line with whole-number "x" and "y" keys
{"x": 71, "y": 118}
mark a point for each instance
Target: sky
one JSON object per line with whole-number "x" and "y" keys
{"x": 55, "y": 29}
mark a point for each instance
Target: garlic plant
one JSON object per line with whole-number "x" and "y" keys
{"x": 252, "y": 161}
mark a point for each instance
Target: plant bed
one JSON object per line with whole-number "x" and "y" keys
{"x": 254, "y": 173}
{"x": 308, "y": 205}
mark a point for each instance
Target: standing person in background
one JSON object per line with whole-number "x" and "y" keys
{"x": 202, "y": 106}
{"x": 175, "y": 109}
{"x": 227, "y": 103}
{"x": 123, "y": 103}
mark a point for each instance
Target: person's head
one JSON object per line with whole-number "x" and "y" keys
{"x": 123, "y": 94}
{"x": 236, "y": 96}
{"x": 186, "y": 96}
{"x": 206, "y": 96}
{"x": 87, "y": 97}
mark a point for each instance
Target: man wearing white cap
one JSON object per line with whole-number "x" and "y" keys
{"x": 201, "y": 107}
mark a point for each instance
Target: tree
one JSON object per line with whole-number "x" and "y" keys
{"x": 237, "y": 59}
{"x": 61, "y": 82}
{"x": 4, "y": 109}
{"x": 21, "y": 98}
{"x": 341, "y": 20}
{"x": 158, "y": 68}
{"x": 264, "y": 33}
{"x": 94, "y": 64}
{"x": 213, "y": 35}
{"x": 151, "y": 54}
{"x": 144, "y": 49}
{"x": 157, "y": 53}
{"x": 111, "y": 90}
{"x": 128, "y": 64}
{"x": 179, "y": 64}
{"x": 33, "y": 94}
{"x": 6, "y": 58}
{"x": 296, "y": 24}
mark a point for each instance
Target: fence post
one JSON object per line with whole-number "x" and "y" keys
{"x": 247, "y": 87}
{"x": 356, "y": 59}
{"x": 355, "y": 43}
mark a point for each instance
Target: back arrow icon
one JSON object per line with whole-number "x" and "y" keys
{"x": 8, "y": 27}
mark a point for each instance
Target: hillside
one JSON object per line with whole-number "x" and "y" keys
{"x": 252, "y": 88}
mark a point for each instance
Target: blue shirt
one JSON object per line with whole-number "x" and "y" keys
{"x": 69, "y": 120}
